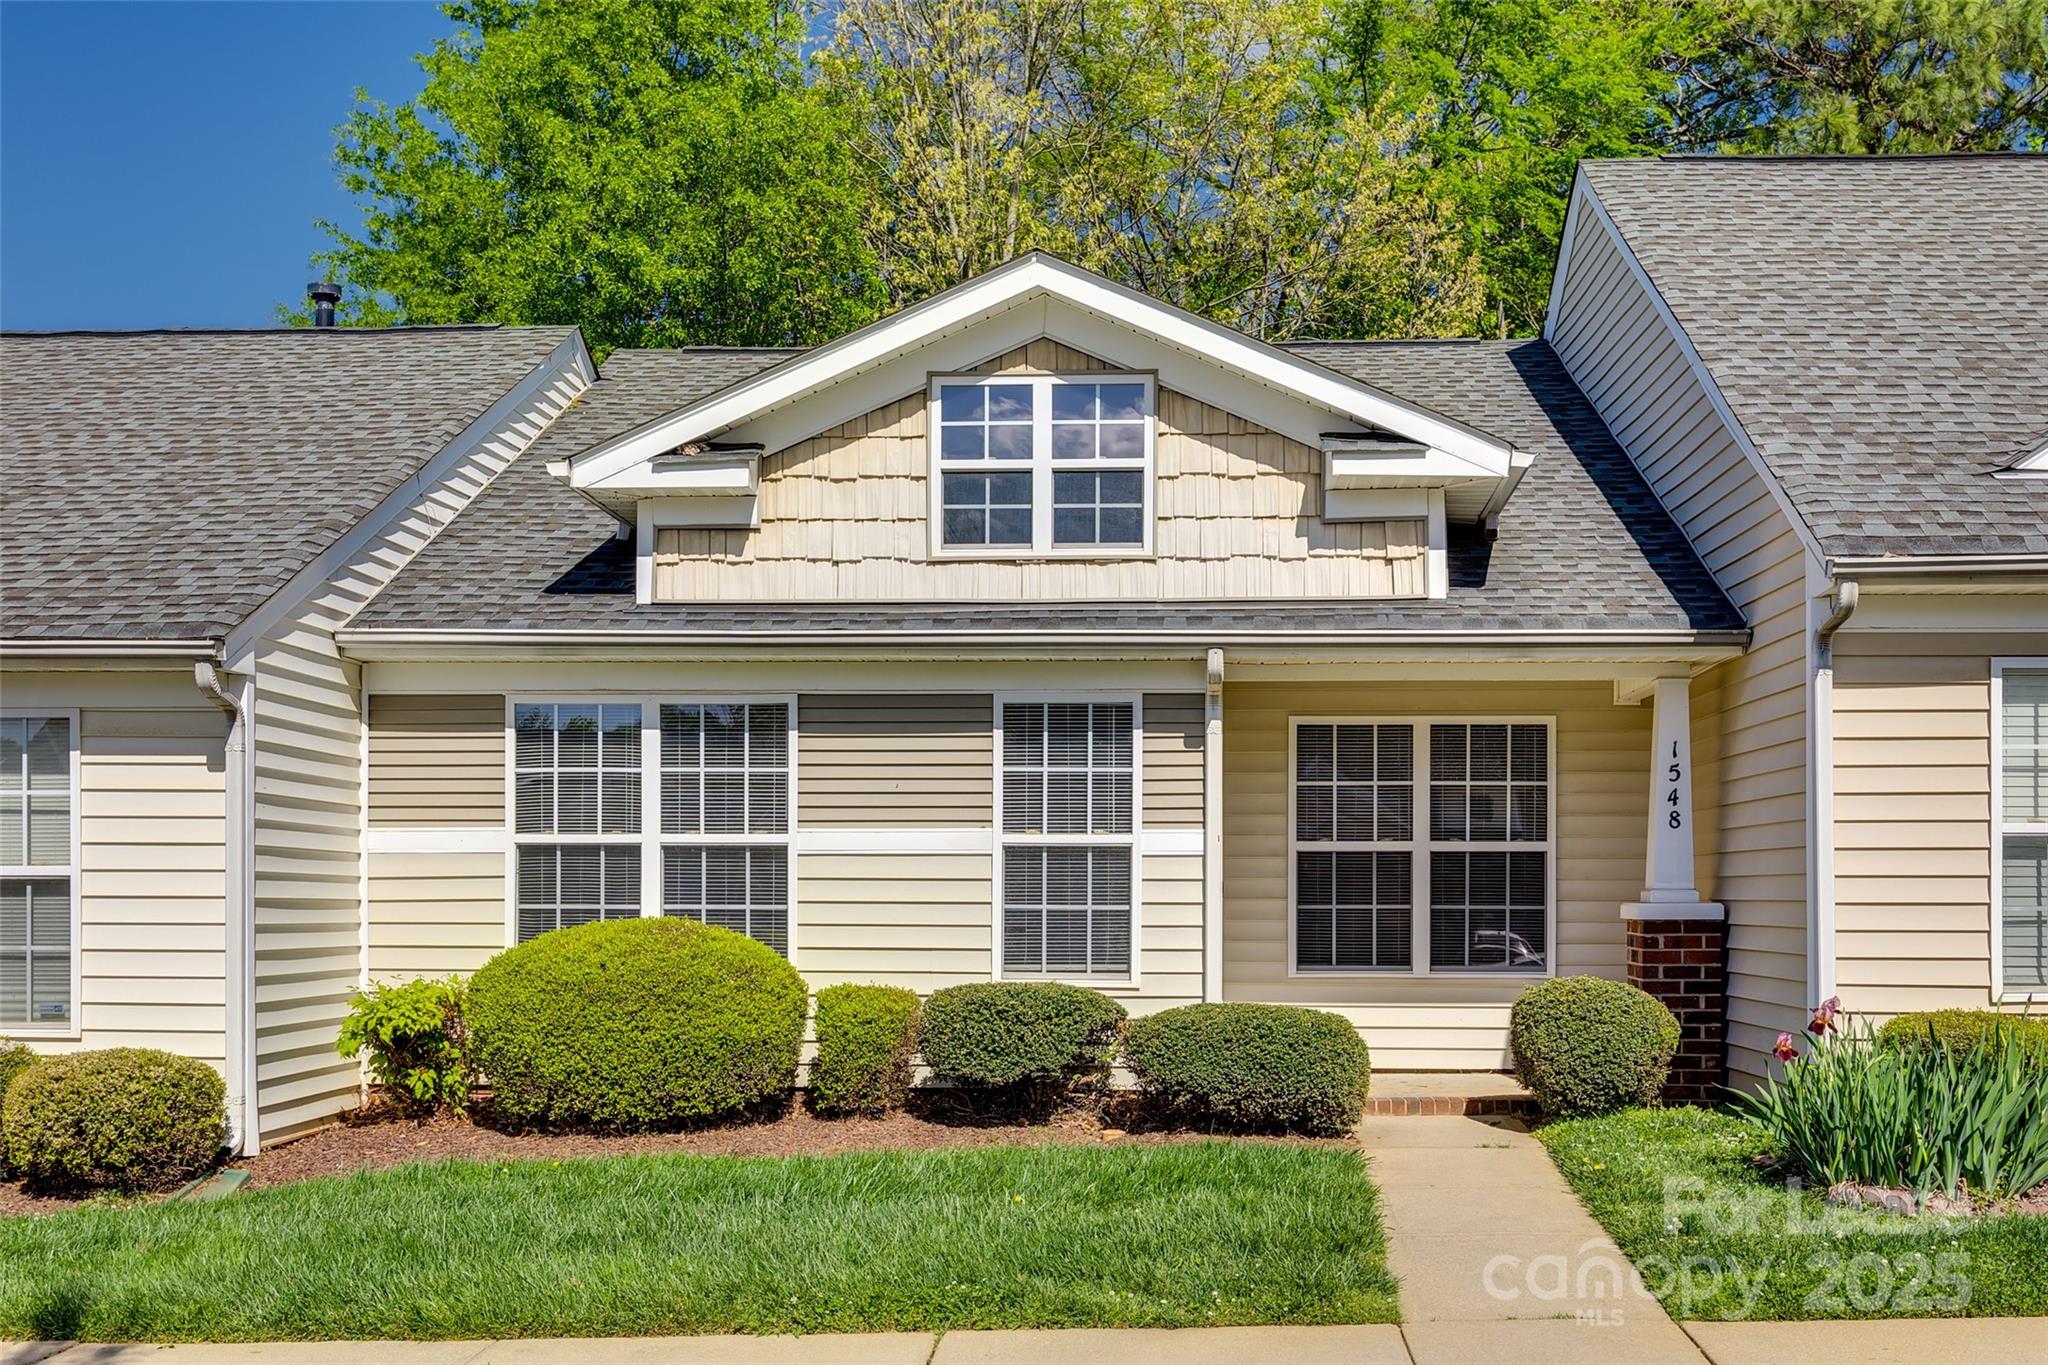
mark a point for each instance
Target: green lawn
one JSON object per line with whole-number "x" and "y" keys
{"x": 1727, "y": 1242}
{"x": 1185, "y": 1234}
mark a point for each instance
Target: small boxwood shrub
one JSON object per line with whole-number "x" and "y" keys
{"x": 866, "y": 1035}
{"x": 416, "y": 1040}
{"x": 1961, "y": 1031}
{"x": 125, "y": 1118}
{"x": 1585, "y": 1045}
{"x": 634, "y": 1023}
{"x": 1260, "y": 1066}
{"x": 1003, "y": 1033}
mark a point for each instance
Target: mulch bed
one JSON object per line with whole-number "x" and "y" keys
{"x": 375, "y": 1140}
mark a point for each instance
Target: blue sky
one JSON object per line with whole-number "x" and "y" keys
{"x": 162, "y": 164}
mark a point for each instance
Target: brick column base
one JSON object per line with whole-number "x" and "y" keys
{"x": 1683, "y": 962}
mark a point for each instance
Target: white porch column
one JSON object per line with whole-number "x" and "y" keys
{"x": 1669, "y": 891}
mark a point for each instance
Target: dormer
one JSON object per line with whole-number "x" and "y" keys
{"x": 1041, "y": 431}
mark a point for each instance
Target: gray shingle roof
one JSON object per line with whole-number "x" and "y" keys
{"x": 162, "y": 485}
{"x": 1583, "y": 546}
{"x": 1878, "y": 325}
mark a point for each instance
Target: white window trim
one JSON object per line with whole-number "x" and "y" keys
{"x": 2001, "y": 827}
{"x": 1042, "y": 467}
{"x": 68, "y": 872}
{"x": 1132, "y": 841}
{"x": 1418, "y": 847}
{"x": 650, "y": 839}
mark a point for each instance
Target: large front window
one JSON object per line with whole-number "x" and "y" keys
{"x": 1421, "y": 846}
{"x": 1043, "y": 464}
{"x": 2020, "y": 822}
{"x": 38, "y": 871}
{"x": 717, "y": 774}
{"x": 1068, "y": 802}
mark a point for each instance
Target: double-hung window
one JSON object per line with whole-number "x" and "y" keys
{"x": 2019, "y": 855}
{"x": 1042, "y": 465}
{"x": 1068, "y": 806}
{"x": 38, "y": 871}
{"x": 652, "y": 807}
{"x": 1421, "y": 846}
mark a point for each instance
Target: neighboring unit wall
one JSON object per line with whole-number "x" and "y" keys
{"x": 1750, "y": 713}
{"x": 1913, "y": 811}
{"x": 846, "y": 515}
{"x": 1411, "y": 1023}
{"x": 152, "y": 859}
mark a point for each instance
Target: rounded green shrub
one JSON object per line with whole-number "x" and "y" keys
{"x": 1260, "y": 1066}
{"x": 1001, "y": 1033}
{"x": 634, "y": 1023}
{"x": 1585, "y": 1045}
{"x": 866, "y": 1036}
{"x": 1961, "y": 1031}
{"x": 125, "y": 1118}
{"x": 14, "y": 1059}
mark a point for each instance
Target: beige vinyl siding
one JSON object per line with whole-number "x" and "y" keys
{"x": 435, "y": 913}
{"x": 1913, "y": 810}
{"x": 1749, "y": 714}
{"x": 846, "y": 516}
{"x": 152, "y": 862}
{"x": 1601, "y": 778}
{"x": 437, "y": 761}
{"x": 891, "y": 761}
{"x": 921, "y": 920}
{"x": 310, "y": 797}
{"x": 1172, "y": 789}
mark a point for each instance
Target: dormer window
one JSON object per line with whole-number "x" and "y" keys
{"x": 1042, "y": 465}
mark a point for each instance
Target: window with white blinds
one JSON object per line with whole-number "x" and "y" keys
{"x": 652, "y": 807}
{"x": 725, "y": 779}
{"x": 2020, "y": 855}
{"x": 1418, "y": 862}
{"x": 1068, "y": 823}
{"x": 38, "y": 871}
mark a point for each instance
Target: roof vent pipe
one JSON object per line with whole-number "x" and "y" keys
{"x": 323, "y": 295}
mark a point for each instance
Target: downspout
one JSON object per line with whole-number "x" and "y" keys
{"x": 1212, "y": 830}
{"x": 1846, "y": 595}
{"x": 213, "y": 683}
{"x": 1823, "y": 837}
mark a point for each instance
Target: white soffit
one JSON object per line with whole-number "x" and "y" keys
{"x": 1034, "y": 296}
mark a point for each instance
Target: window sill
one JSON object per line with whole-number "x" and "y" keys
{"x": 1027, "y": 556}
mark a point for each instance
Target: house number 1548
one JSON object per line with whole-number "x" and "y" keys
{"x": 1675, "y": 775}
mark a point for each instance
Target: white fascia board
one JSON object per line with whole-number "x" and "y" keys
{"x": 1345, "y": 469}
{"x": 706, "y": 476}
{"x": 1019, "y": 281}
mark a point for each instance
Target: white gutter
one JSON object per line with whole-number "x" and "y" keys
{"x": 214, "y": 685}
{"x": 1049, "y": 638}
{"x": 38, "y": 648}
{"x": 1910, "y": 566}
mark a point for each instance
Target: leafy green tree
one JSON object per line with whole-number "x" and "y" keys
{"x": 657, "y": 171}
{"x": 1198, "y": 152}
{"x": 1503, "y": 98}
{"x": 1877, "y": 76}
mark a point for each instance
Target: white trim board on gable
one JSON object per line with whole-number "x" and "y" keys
{"x": 1031, "y": 297}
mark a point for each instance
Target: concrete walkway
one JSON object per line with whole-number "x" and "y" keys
{"x": 1498, "y": 1260}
